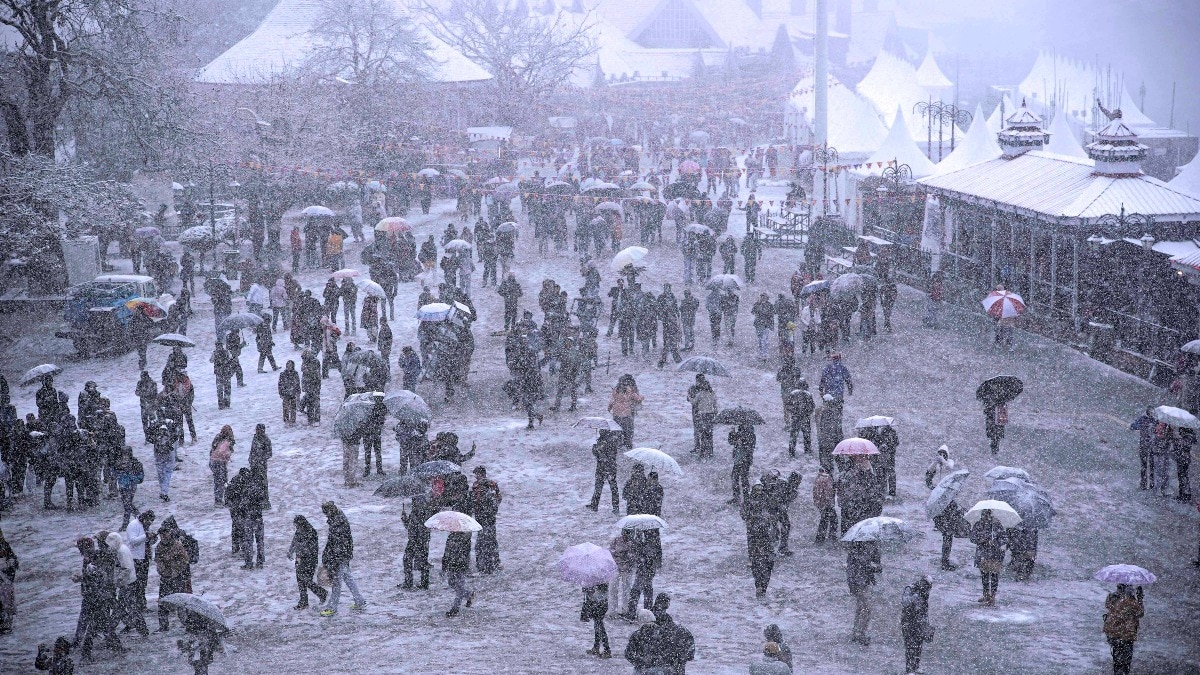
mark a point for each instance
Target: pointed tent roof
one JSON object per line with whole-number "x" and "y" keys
{"x": 930, "y": 76}
{"x": 1133, "y": 115}
{"x": 978, "y": 145}
{"x": 1188, "y": 179}
{"x": 890, "y": 84}
{"x": 854, "y": 128}
{"x": 1062, "y": 138}
{"x": 995, "y": 121}
{"x": 900, "y": 147}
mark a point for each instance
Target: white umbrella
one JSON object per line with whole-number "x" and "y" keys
{"x": 370, "y": 288}
{"x": 176, "y": 186}
{"x": 1176, "y": 417}
{"x": 1002, "y": 472}
{"x": 727, "y": 282}
{"x": 945, "y": 492}
{"x": 641, "y": 185}
{"x": 847, "y": 284}
{"x": 457, "y": 173}
{"x": 457, "y": 245}
{"x": 435, "y": 311}
{"x": 875, "y": 421}
{"x": 609, "y": 206}
{"x": 598, "y": 423}
{"x": 429, "y": 173}
{"x": 1001, "y": 511}
{"x": 376, "y": 186}
{"x": 641, "y": 521}
{"x": 196, "y": 605}
{"x": 628, "y": 256}
{"x": 656, "y": 459}
{"x": 453, "y": 521}
{"x": 174, "y": 340}
{"x": 318, "y": 211}
{"x": 36, "y": 373}
{"x": 881, "y": 529}
{"x": 343, "y": 273}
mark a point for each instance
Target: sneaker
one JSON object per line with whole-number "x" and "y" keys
{"x": 359, "y": 606}
{"x": 471, "y": 599}
{"x": 328, "y": 612}
{"x": 451, "y": 614}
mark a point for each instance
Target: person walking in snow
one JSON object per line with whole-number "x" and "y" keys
{"x": 218, "y": 462}
{"x": 951, "y": 524}
{"x": 595, "y": 607}
{"x": 1124, "y": 610}
{"x": 304, "y": 550}
{"x": 862, "y": 564}
{"x": 761, "y": 535}
{"x": 914, "y": 621}
{"x": 456, "y": 564}
{"x": 339, "y": 550}
{"x": 605, "y": 451}
{"x": 743, "y": 440}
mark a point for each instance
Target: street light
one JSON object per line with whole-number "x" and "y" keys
{"x": 945, "y": 115}
{"x": 825, "y": 154}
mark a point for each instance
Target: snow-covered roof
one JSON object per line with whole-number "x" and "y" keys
{"x": 1062, "y": 138}
{"x": 1130, "y": 112}
{"x": 854, "y": 127}
{"x": 735, "y": 23}
{"x": 890, "y": 84}
{"x": 1057, "y": 186}
{"x": 489, "y": 133}
{"x": 977, "y": 145}
{"x": 283, "y": 41}
{"x": 900, "y": 147}
{"x": 930, "y": 76}
{"x": 1188, "y": 178}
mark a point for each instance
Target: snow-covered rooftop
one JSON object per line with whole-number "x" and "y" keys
{"x": 1057, "y": 186}
{"x": 899, "y": 147}
{"x": 284, "y": 40}
{"x": 978, "y": 145}
{"x": 1188, "y": 178}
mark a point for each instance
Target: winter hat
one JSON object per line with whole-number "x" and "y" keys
{"x": 662, "y": 602}
{"x": 944, "y": 451}
{"x": 773, "y": 634}
{"x": 827, "y": 398}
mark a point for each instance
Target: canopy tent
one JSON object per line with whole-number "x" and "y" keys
{"x": 1188, "y": 178}
{"x": 995, "y": 121}
{"x": 931, "y": 78}
{"x": 854, "y": 127}
{"x": 892, "y": 84}
{"x": 1062, "y": 138}
{"x": 977, "y": 145}
{"x": 898, "y": 147}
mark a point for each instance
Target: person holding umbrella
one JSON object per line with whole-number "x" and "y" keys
{"x": 1124, "y": 610}
{"x": 743, "y": 440}
{"x": 990, "y": 541}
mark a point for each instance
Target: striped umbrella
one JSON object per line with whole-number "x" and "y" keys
{"x": 1003, "y": 305}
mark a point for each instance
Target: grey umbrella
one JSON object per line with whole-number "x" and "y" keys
{"x": 408, "y": 407}
{"x": 439, "y": 467}
{"x": 350, "y": 418}
{"x": 174, "y": 340}
{"x": 196, "y": 605}
{"x": 739, "y": 415}
{"x": 36, "y": 373}
{"x": 1029, "y": 500}
{"x": 945, "y": 492}
{"x": 704, "y": 364}
{"x": 402, "y": 487}
{"x": 239, "y": 321}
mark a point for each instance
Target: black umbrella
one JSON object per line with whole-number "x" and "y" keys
{"x": 1000, "y": 389}
{"x": 1029, "y": 500}
{"x": 739, "y": 415}
{"x": 439, "y": 467}
{"x": 402, "y": 487}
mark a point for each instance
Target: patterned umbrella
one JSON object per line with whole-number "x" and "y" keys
{"x": 1126, "y": 574}
{"x": 1003, "y": 305}
{"x": 393, "y": 224}
{"x": 453, "y": 521}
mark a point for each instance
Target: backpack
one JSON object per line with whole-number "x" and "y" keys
{"x": 191, "y": 546}
{"x": 138, "y": 471}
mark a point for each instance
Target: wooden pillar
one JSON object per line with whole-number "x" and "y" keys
{"x": 1075, "y": 282}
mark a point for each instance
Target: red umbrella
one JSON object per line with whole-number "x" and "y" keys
{"x": 1003, "y": 305}
{"x": 856, "y": 446}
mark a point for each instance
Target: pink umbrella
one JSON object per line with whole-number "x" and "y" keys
{"x": 856, "y": 446}
{"x": 587, "y": 565}
{"x": 343, "y": 273}
{"x": 1003, "y": 305}
{"x": 689, "y": 167}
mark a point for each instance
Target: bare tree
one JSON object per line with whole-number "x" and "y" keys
{"x": 530, "y": 56}
{"x": 369, "y": 43}
{"x": 99, "y": 60}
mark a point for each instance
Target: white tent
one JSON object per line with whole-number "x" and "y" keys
{"x": 931, "y": 78}
{"x": 1130, "y": 112}
{"x": 899, "y": 147}
{"x": 978, "y": 145}
{"x": 854, "y": 128}
{"x": 995, "y": 121}
{"x": 891, "y": 84}
{"x": 1062, "y": 138}
{"x": 1188, "y": 178}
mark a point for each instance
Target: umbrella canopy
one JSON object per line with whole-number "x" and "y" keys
{"x": 495, "y": 180}
{"x": 457, "y": 245}
{"x": 174, "y": 340}
{"x": 376, "y": 186}
{"x": 196, "y": 605}
{"x": 148, "y": 306}
{"x": 698, "y": 136}
{"x": 435, "y": 311}
{"x": 598, "y": 423}
{"x": 507, "y": 227}
{"x": 393, "y": 224}
{"x": 587, "y": 565}
{"x": 370, "y": 288}
{"x": 239, "y": 321}
{"x": 688, "y": 166}
{"x": 559, "y": 187}
{"x": 1125, "y": 574}
{"x": 945, "y": 492}
{"x": 739, "y": 415}
{"x": 814, "y": 287}
{"x": 148, "y": 232}
{"x": 439, "y": 467}
{"x": 402, "y": 487}
{"x": 1029, "y": 500}
{"x": 176, "y": 186}
{"x": 641, "y": 521}
{"x": 704, "y": 364}
{"x": 1001, "y": 511}
{"x": 641, "y": 185}
{"x": 36, "y": 373}
{"x": 1192, "y": 347}
{"x": 609, "y": 206}
{"x": 507, "y": 191}
{"x": 1176, "y": 417}
{"x": 628, "y": 256}
{"x": 656, "y": 459}
{"x": 725, "y": 282}
{"x": 453, "y": 521}
{"x": 429, "y": 173}
{"x": 1003, "y": 305}
{"x": 199, "y": 237}
{"x": 365, "y": 358}
{"x": 1000, "y": 389}
{"x": 317, "y": 212}
{"x": 351, "y": 417}
{"x": 601, "y": 185}
{"x": 458, "y": 173}
{"x": 343, "y": 186}
{"x": 1002, "y": 472}
{"x": 407, "y": 406}
{"x": 875, "y": 421}
{"x": 345, "y": 273}
{"x": 697, "y": 228}
{"x": 847, "y": 284}
{"x": 881, "y": 529}
{"x": 855, "y": 446}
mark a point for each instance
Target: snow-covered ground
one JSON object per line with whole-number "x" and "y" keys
{"x": 1069, "y": 430}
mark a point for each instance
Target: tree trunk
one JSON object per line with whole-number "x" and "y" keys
{"x": 18, "y": 135}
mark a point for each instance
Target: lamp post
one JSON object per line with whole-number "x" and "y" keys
{"x": 944, "y": 115}
{"x": 825, "y": 154}
{"x": 892, "y": 180}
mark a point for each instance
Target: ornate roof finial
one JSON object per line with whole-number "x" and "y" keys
{"x": 1110, "y": 114}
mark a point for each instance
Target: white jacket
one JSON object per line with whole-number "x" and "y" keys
{"x": 126, "y": 573}
{"x": 135, "y": 536}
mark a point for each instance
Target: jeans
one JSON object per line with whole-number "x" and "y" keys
{"x": 862, "y": 612}
{"x": 1161, "y": 476}
{"x": 827, "y": 526}
{"x": 1122, "y": 655}
{"x": 626, "y": 424}
{"x": 349, "y": 319}
{"x": 305, "y": 583}
{"x": 714, "y": 324}
{"x": 643, "y": 586}
{"x": 487, "y": 547}
{"x": 224, "y": 392}
{"x": 128, "y": 610}
{"x": 991, "y": 581}
{"x": 252, "y": 537}
{"x": 165, "y": 468}
{"x": 689, "y": 335}
{"x": 350, "y": 462}
{"x": 342, "y": 576}
{"x": 912, "y": 653}
{"x": 730, "y": 325}
{"x": 220, "y": 472}
{"x": 741, "y": 481}
{"x": 764, "y": 342}
{"x": 702, "y": 427}
{"x": 932, "y": 307}
{"x": 689, "y": 267}
{"x": 458, "y": 581}
{"x": 599, "y": 634}
{"x": 289, "y": 410}
{"x": 606, "y": 474}
{"x": 263, "y": 358}
{"x": 130, "y": 511}
{"x": 141, "y": 567}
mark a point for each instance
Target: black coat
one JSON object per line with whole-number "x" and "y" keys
{"x": 457, "y": 555}
{"x": 914, "y": 611}
{"x": 305, "y": 548}
{"x": 289, "y": 383}
{"x": 339, "y": 545}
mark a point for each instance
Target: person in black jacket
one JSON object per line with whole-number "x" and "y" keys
{"x": 595, "y": 606}
{"x": 339, "y": 550}
{"x": 862, "y": 564}
{"x": 223, "y": 369}
{"x": 264, "y": 342}
{"x": 605, "y": 451}
{"x": 760, "y": 538}
{"x": 914, "y": 621}
{"x": 260, "y": 452}
{"x": 635, "y": 490}
{"x": 743, "y": 440}
{"x": 888, "y": 441}
{"x": 310, "y": 386}
{"x": 456, "y": 563}
{"x": 304, "y": 551}
{"x": 289, "y": 391}
{"x": 798, "y": 408}
{"x": 373, "y": 437}
{"x": 664, "y": 644}
{"x": 416, "y": 549}
{"x": 234, "y": 344}
{"x": 647, "y": 557}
